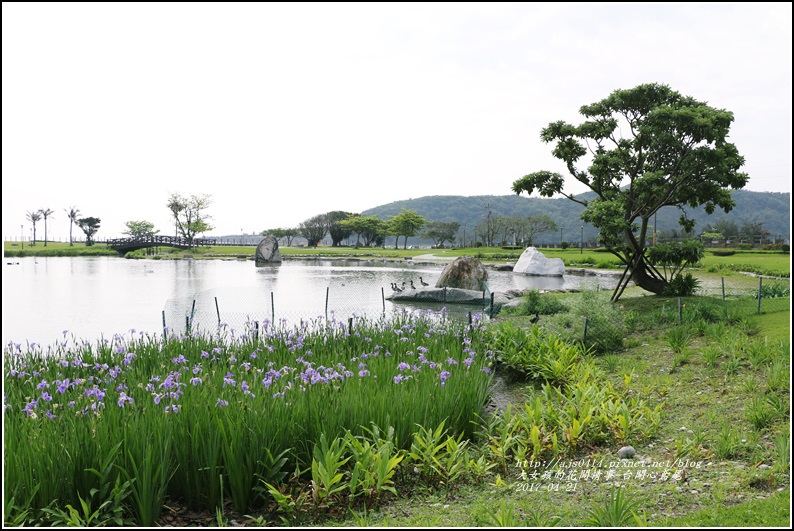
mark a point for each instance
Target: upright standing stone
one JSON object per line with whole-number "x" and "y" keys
{"x": 465, "y": 272}
{"x": 267, "y": 251}
{"x": 532, "y": 262}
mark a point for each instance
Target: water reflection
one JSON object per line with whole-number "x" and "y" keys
{"x": 94, "y": 297}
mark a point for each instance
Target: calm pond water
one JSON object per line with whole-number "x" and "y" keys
{"x": 95, "y": 297}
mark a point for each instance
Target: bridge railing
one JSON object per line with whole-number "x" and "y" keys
{"x": 162, "y": 240}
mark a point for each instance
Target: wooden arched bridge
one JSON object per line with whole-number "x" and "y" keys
{"x": 125, "y": 245}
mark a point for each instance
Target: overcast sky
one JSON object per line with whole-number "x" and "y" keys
{"x": 284, "y": 111}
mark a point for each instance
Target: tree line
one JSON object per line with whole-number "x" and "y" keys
{"x": 372, "y": 231}
{"x": 369, "y": 230}
{"x": 89, "y": 225}
{"x": 189, "y": 213}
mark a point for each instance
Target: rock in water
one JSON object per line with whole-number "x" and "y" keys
{"x": 267, "y": 251}
{"x": 465, "y": 272}
{"x": 532, "y": 262}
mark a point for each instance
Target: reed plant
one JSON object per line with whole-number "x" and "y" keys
{"x": 619, "y": 510}
{"x": 728, "y": 444}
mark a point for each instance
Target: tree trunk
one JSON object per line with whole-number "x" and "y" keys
{"x": 643, "y": 279}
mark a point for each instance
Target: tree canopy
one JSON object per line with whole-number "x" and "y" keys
{"x": 287, "y": 234}
{"x": 137, "y": 229}
{"x": 370, "y": 228}
{"x": 406, "y": 223}
{"x": 441, "y": 232}
{"x": 89, "y": 226}
{"x": 314, "y": 229}
{"x": 639, "y": 150}
{"x": 336, "y": 229}
{"x": 189, "y": 214}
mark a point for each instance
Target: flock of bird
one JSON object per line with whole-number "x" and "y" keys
{"x": 398, "y": 289}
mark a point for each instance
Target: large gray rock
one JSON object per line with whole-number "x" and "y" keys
{"x": 532, "y": 262}
{"x": 267, "y": 251}
{"x": 465, "y": 272}
{"x": 449, "y": 295}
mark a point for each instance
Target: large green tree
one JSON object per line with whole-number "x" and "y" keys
{"x": 753, "y": 232}
{"x": 725, "y": 228}
{"x": 314, "y": 229}
{"x": 336, "y": 229}
{"x": 440, "y": 232}
{"x": 286, "y": 234}
{"x": 532, "y": 226}
{"x": 89, "y": 226}
{"x": 407, "y": 223}
{"x": 370, "y": 228}
{"x": 640, "y": 150}
{"x": 189, "y": 214}
{"x": 140, "y": 229}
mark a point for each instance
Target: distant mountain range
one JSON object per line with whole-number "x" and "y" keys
{"x": 770, "y": 208}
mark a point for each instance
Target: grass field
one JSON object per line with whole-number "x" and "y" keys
{"x": 716, "y": 392}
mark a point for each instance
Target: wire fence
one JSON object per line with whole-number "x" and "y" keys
{"x": 715, "y": 300}
{"x": 242, "y": 308}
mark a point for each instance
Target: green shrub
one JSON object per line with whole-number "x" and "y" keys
{"x": 618, "y": 511}
{"x": 605, "y": 323}
{"x": 775, "y": 290}
{"x": 534, "y": 302}
{"x": 535, "y": 353}
{"x": 776, "y": 247}
{"x": 683, "y": 285}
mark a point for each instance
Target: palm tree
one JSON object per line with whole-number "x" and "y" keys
{"x": 46, "y": 213}
{"x": 34, "y": 217}
{"x": 72, "y": 215}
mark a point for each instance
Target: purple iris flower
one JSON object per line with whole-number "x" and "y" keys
{"x": 123, "y": 398}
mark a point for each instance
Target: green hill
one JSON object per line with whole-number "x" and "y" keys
{"x": 770, "y": 208}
